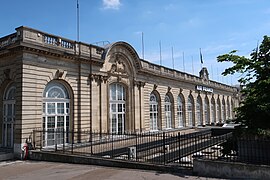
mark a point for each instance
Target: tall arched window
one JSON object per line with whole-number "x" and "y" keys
{"x": 232, "y": 108}
{"x": 228, "y": 109}
{"x": 190, "y": 111}
{"x": 56, "y": 113}
{"x": 223, "y": 111}
{"x": 213, "y": 110}
{"x": 117, "y": 108}
{"x": 199, "y": 111}
{"x": 153, "y": 107}
{"x": 180, "y": 111}
{"x": 168, "y": 111}
{"x": 8, "y": 117}
{"x": 218, "y": 111}
{"x": 206, "y": 110}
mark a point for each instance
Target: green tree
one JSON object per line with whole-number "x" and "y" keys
{"x": 254, "y": 110}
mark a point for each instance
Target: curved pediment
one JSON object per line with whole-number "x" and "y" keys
{"x": 122, "y": 59}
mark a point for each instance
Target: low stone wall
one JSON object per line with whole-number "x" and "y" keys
{"x": 221, "y": 169}
{"x": 77, "y": 159}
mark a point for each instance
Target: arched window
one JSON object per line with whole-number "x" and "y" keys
{"x": 228, "y": 109}
{"x": 168, "y": 112}
{"x": 213, "y": 110}
{"x": 190, "y": 111}
{"x": 180, "y": 111}
{"x": 206, "y": 110}
{"x": 223, "y": 111}
{"x": 9, "y": 113}
{"x": 56, "y": 113}
{"x": 153, "y": 107}
{"x": 199, "y": 111}
{"x": 232, "y": 108}
{"x": 218, "y": 111}
{"x": 117, "y": 108}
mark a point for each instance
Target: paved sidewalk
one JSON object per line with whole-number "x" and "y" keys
{"x": 38, "y": 170}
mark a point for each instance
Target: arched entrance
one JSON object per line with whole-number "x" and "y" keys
{"x": 56, "y": 114}
{"x": 8, "y": 117}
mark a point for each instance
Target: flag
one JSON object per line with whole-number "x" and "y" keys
{"x": 201, "y": 58}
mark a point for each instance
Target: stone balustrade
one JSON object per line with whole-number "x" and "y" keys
{"x": 29, "y": 35}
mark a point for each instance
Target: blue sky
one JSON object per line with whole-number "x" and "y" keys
{"x": 215, "y": 26}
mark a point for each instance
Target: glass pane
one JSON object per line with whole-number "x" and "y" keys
{"x": 113, "y": 107}
{"x": 114, "y": 123}
{"x": 113, "y": 91}
{"x": 9, "y": 110}
{"x": 51, "y": 122}
{"x": 60, "y": 122}
{"x": 11, "y": 94}
{"x": 5, "y": 106}
{"x": 51, "y": 108}
{"x": 44, "y": 123}
{"x": 67, "y": 108}
{"x": 67, "y": 122}
{"x": 119, "y": 92}
{"x": 44, "y": 108}
{"x": 120, "y": 123}
{"x": 120, "y": 108}
{"x": 56, "y": 92}
{"x": 60, "y": 108}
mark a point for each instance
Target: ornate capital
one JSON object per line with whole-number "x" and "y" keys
{"x": 138, "y": 83}
{"x": 98, "y": 78}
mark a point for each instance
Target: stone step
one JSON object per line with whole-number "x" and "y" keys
{"x": 6, "y": 155}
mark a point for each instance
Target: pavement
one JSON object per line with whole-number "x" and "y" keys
{"x": 40, "y": 170}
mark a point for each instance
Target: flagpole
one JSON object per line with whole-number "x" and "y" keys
{"x": 212, "y": 72}
{"x": 192, "y": 65}
{"x": 142, "y": 46}
{"x": 78, "y": 22}
{"x": 160, "y": 57}
{"x": 183, "y": 61}
{"x": 172, "y": 59}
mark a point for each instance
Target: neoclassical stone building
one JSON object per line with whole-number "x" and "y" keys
{"x": 49, "y": 82}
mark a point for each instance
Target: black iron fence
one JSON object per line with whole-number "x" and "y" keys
{"x": 167, "y": 148}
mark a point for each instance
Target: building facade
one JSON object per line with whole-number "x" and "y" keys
{"x": 49, "y": 82}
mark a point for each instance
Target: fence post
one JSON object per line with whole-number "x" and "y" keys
{"x": 34, "y": 138}
{"x": 41, "y": 138}
{"x": 179, "y": 148}
{"x": 55, "y": 139}
{"x": 72, "y": 141}
{"x": 164, "y": 153}
{"x": 63, "y": 140}
{"x": 136, "y": 144}
{"x": 112, "y": 146}
{"x": 91, "y": 143}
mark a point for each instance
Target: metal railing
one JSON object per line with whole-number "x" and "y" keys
{"x": 166, "y": 148}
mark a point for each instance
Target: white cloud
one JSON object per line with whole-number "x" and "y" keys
{"x": 111, "y": 4}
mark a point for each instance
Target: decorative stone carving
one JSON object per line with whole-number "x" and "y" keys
{"x": 155, "y": 86}
{"x": 139, "y": 83}
{"x": 204, "y": 74}
{"x": 118, "y": 67}
{"x": 59, "y": 74}
{"x": 169, "y": 88}
{"x": 98, "y": 78}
